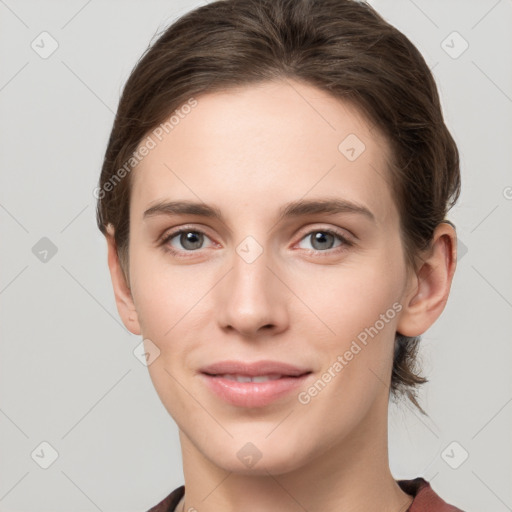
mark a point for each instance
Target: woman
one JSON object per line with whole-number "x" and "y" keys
{"x": 273, "y": 196}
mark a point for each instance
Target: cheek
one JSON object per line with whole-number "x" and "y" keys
{"x": 359, "y": 307}
{"x": 350, "y": 297}
{"x": 163, "y": 294}
{"x": 341, "y": 300}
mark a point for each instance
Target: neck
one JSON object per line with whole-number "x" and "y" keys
{"x": 351, "y": 475}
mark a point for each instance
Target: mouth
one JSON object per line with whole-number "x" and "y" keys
{"x": 253, "y": 384}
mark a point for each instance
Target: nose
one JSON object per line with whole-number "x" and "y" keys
{"x": 252, "y": 299}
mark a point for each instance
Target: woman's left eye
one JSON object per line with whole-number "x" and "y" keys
{"x": 323, "y": 240}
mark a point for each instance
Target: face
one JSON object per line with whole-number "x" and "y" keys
{"x": 268, "y": 278}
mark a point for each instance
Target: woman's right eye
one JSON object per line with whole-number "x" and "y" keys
{"x": 189, "y": 240}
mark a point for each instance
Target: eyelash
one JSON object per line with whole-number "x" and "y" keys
{"x": 169, "y": 236}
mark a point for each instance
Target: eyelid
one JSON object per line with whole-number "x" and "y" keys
{"x": 345, "y": 243}
{"x": 344, "y": 234}
{"x": 172, "y": 232}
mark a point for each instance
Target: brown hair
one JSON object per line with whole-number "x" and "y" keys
{"x": 343, "y": 47}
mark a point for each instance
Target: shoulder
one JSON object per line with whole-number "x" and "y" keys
{"x": 168, "y": 504}
{"x": 425, "y": 499}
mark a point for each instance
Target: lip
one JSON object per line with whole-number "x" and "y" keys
{"x": 253, "y": 369}
{"x": 253, "y": 394}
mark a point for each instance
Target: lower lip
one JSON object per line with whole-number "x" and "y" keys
{"x": 252, "y": 394}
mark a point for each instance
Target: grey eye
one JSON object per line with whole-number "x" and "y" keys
{"x": 191, "y": 240}
{"x": 321, "y": 240}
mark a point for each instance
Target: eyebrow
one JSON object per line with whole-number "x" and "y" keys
{"x": 293, "y": 209}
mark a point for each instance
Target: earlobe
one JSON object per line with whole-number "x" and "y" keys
{"x": 430, "y": 284}
{"x": 122, "y": 292}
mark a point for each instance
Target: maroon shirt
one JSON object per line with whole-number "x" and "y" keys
{"x": 425, "y": 499}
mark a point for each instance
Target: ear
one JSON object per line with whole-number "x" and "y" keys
{"x": 122, "y": 292}
{"x": 429, "y": 286}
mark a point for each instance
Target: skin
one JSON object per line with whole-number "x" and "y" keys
{"x": 248, "y": 152}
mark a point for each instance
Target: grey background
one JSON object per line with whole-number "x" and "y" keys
{"x": 68, "y": 375}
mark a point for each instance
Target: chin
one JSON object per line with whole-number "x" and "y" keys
{"x": 274, "y": 465}
{"x": 255, "y": 455}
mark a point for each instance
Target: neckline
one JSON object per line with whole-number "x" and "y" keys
{"x": 411, "y": 487}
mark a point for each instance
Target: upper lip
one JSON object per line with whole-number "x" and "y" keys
{"x": 253, "y": 369}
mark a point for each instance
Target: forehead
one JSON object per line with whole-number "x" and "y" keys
{"x": 270, "y": 141}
